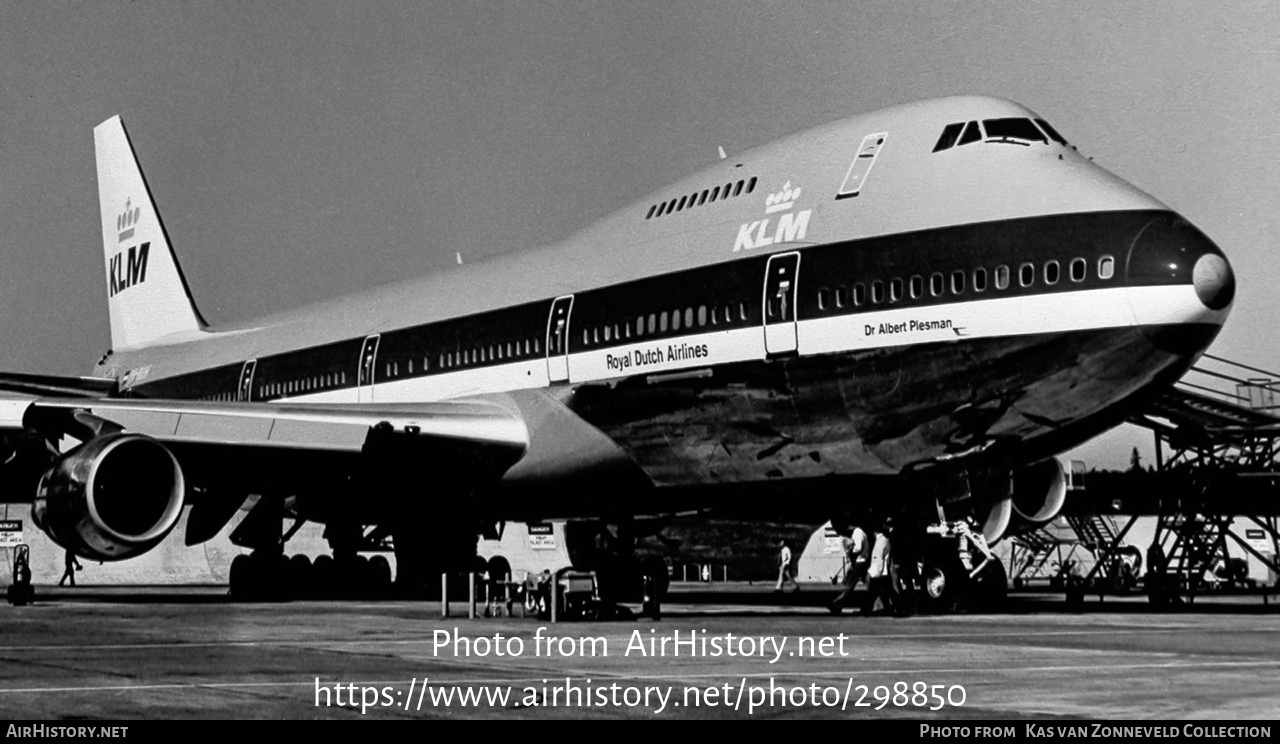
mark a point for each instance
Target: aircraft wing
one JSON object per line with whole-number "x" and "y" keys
{"x": 342, "y": 427}
{"x": 66, "y": 387}
{"x": 220, "y": 442}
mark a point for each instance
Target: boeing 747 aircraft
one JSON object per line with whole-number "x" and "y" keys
{"x": 907, "y": 312}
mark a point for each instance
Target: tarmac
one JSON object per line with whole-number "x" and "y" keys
{"x": 726, "y": 651}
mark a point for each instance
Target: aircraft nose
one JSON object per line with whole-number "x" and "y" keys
{"x": 1180, "y": 285}
{"x": 1214, "y": 281}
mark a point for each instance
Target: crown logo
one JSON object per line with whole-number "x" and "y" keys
{"x": 782, "y": 200}
{"x": 126, "y": 220}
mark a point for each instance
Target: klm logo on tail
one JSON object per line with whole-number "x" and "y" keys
{"x": 128, "y": 270}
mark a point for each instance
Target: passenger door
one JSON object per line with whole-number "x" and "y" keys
{"x": 558, "y": 339}
{"x": 365, "y": 373}
{"x": 781, "y": 276}
{"x": 246, "y": 381}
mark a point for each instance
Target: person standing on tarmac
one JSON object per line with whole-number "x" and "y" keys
{"x": 72, "y": 565}
{"x": 879, "y": 577}
{"x": 784, "y": 568}
{"x": 857, "y": 551}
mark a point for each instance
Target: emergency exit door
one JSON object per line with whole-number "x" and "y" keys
{"x": 558, "y": 339}
{"x": 780, "y": 303}
{"x": 365, "y": 373}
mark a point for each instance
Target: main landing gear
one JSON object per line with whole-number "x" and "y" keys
{"x": 268, "y": 574}
{"x": 959, "y": 571}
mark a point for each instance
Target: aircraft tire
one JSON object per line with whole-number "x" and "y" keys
{"x": 944, "y": 581}
{"x": 989, "y": 589}
{"x": 324, "y": 575}
{"x": 299, "y": 577}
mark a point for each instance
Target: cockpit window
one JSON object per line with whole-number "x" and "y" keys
{"x": 1012, "y": 130}
{"x": 949, "y": 136}
{"x": 971, "y": 133}
{"x": 1053, "y": 133}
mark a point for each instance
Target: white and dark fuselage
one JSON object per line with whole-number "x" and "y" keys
{"x": 878, "y": 292}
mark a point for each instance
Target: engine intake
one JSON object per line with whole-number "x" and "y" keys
{"x": 114, "y": 497}
{"x": 1039, "y": 493}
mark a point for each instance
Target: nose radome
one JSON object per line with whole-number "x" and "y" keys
{"x": 1214, "y": 281}
{"x": 1180, "y": 286}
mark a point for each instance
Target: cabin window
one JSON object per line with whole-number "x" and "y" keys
{"x": 957, "y": 282}
{"x": 728, "y": 314}
{"x": 727, "y": 188}
{"x": 688, "y": 317}
{"x": 979, "y": 279}
{"x": 1002, "y": 277}
{"x": 1052, "y": 272}
{"x": 607, "y": 334}
{"x": 662, "y": 322}
{"x": 738, "y": 190}
{"x": 652, "y": 209}
{"x": 895, "y": 290}
{"x": 1026, "y": 274}
{"x": 714, "y": 193}
{"x": 1106, "y": 267}
{"x": 680, "y": 206}
{"x": 937, "y": 284}
{"x": 344, "y": 378}
{"x": 703, "y": 199}
{"x": 824, "y": 298}
{"x": 640, "y": 326}
{"x": 859, "y": 294}
{"x": 595, "y": 335}
{"x": 675, "y": 319}
{"x": 323, "y": 382}
{"x": 742, "y": 310}
{"x": 653, "y": 322}
{"x": 877, "y": 292}
{"x": 917, "y": 286}
{"x": 1079, "y": 267}
{"x": 842, "y": 296}
{"x": 702, "y": 315}
{"x": 751, "y": 185}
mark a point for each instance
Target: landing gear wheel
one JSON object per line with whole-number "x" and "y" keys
{"x": 323, "y": 574}
{"x": 240, "y": 578}
{"x": 989, "y": 589}
{"x": 299, "y": 577}
{"x": 380, "y": 576}
{"x": 945, "y": 581}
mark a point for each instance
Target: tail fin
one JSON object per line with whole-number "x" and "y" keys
{"x": 147, "y": 295}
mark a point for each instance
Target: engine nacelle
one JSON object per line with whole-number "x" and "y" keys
{"x": 114, "y": 497}
{"x": 1039, "y": 493}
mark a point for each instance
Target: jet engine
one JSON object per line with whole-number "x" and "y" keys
{"x": 1039, "y": 493}
{"x": 114, "y": 497}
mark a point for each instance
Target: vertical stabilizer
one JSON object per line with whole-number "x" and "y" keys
{"x": 147, "y": 295}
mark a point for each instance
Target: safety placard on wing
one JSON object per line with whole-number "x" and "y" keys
{"x": 541, "y": 536}
{"x": 10, "y": 533}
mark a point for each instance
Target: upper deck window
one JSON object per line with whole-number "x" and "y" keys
{"x": 1012, "y": 130}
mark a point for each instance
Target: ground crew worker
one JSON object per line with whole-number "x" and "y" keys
{"x": 857, "y": 551}
{"x": 879, "y": 576}
{"x": 784, "y": 568}
{"x": 72, "y": 565}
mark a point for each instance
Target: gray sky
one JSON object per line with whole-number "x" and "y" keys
{"x": 299, "y": 150}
